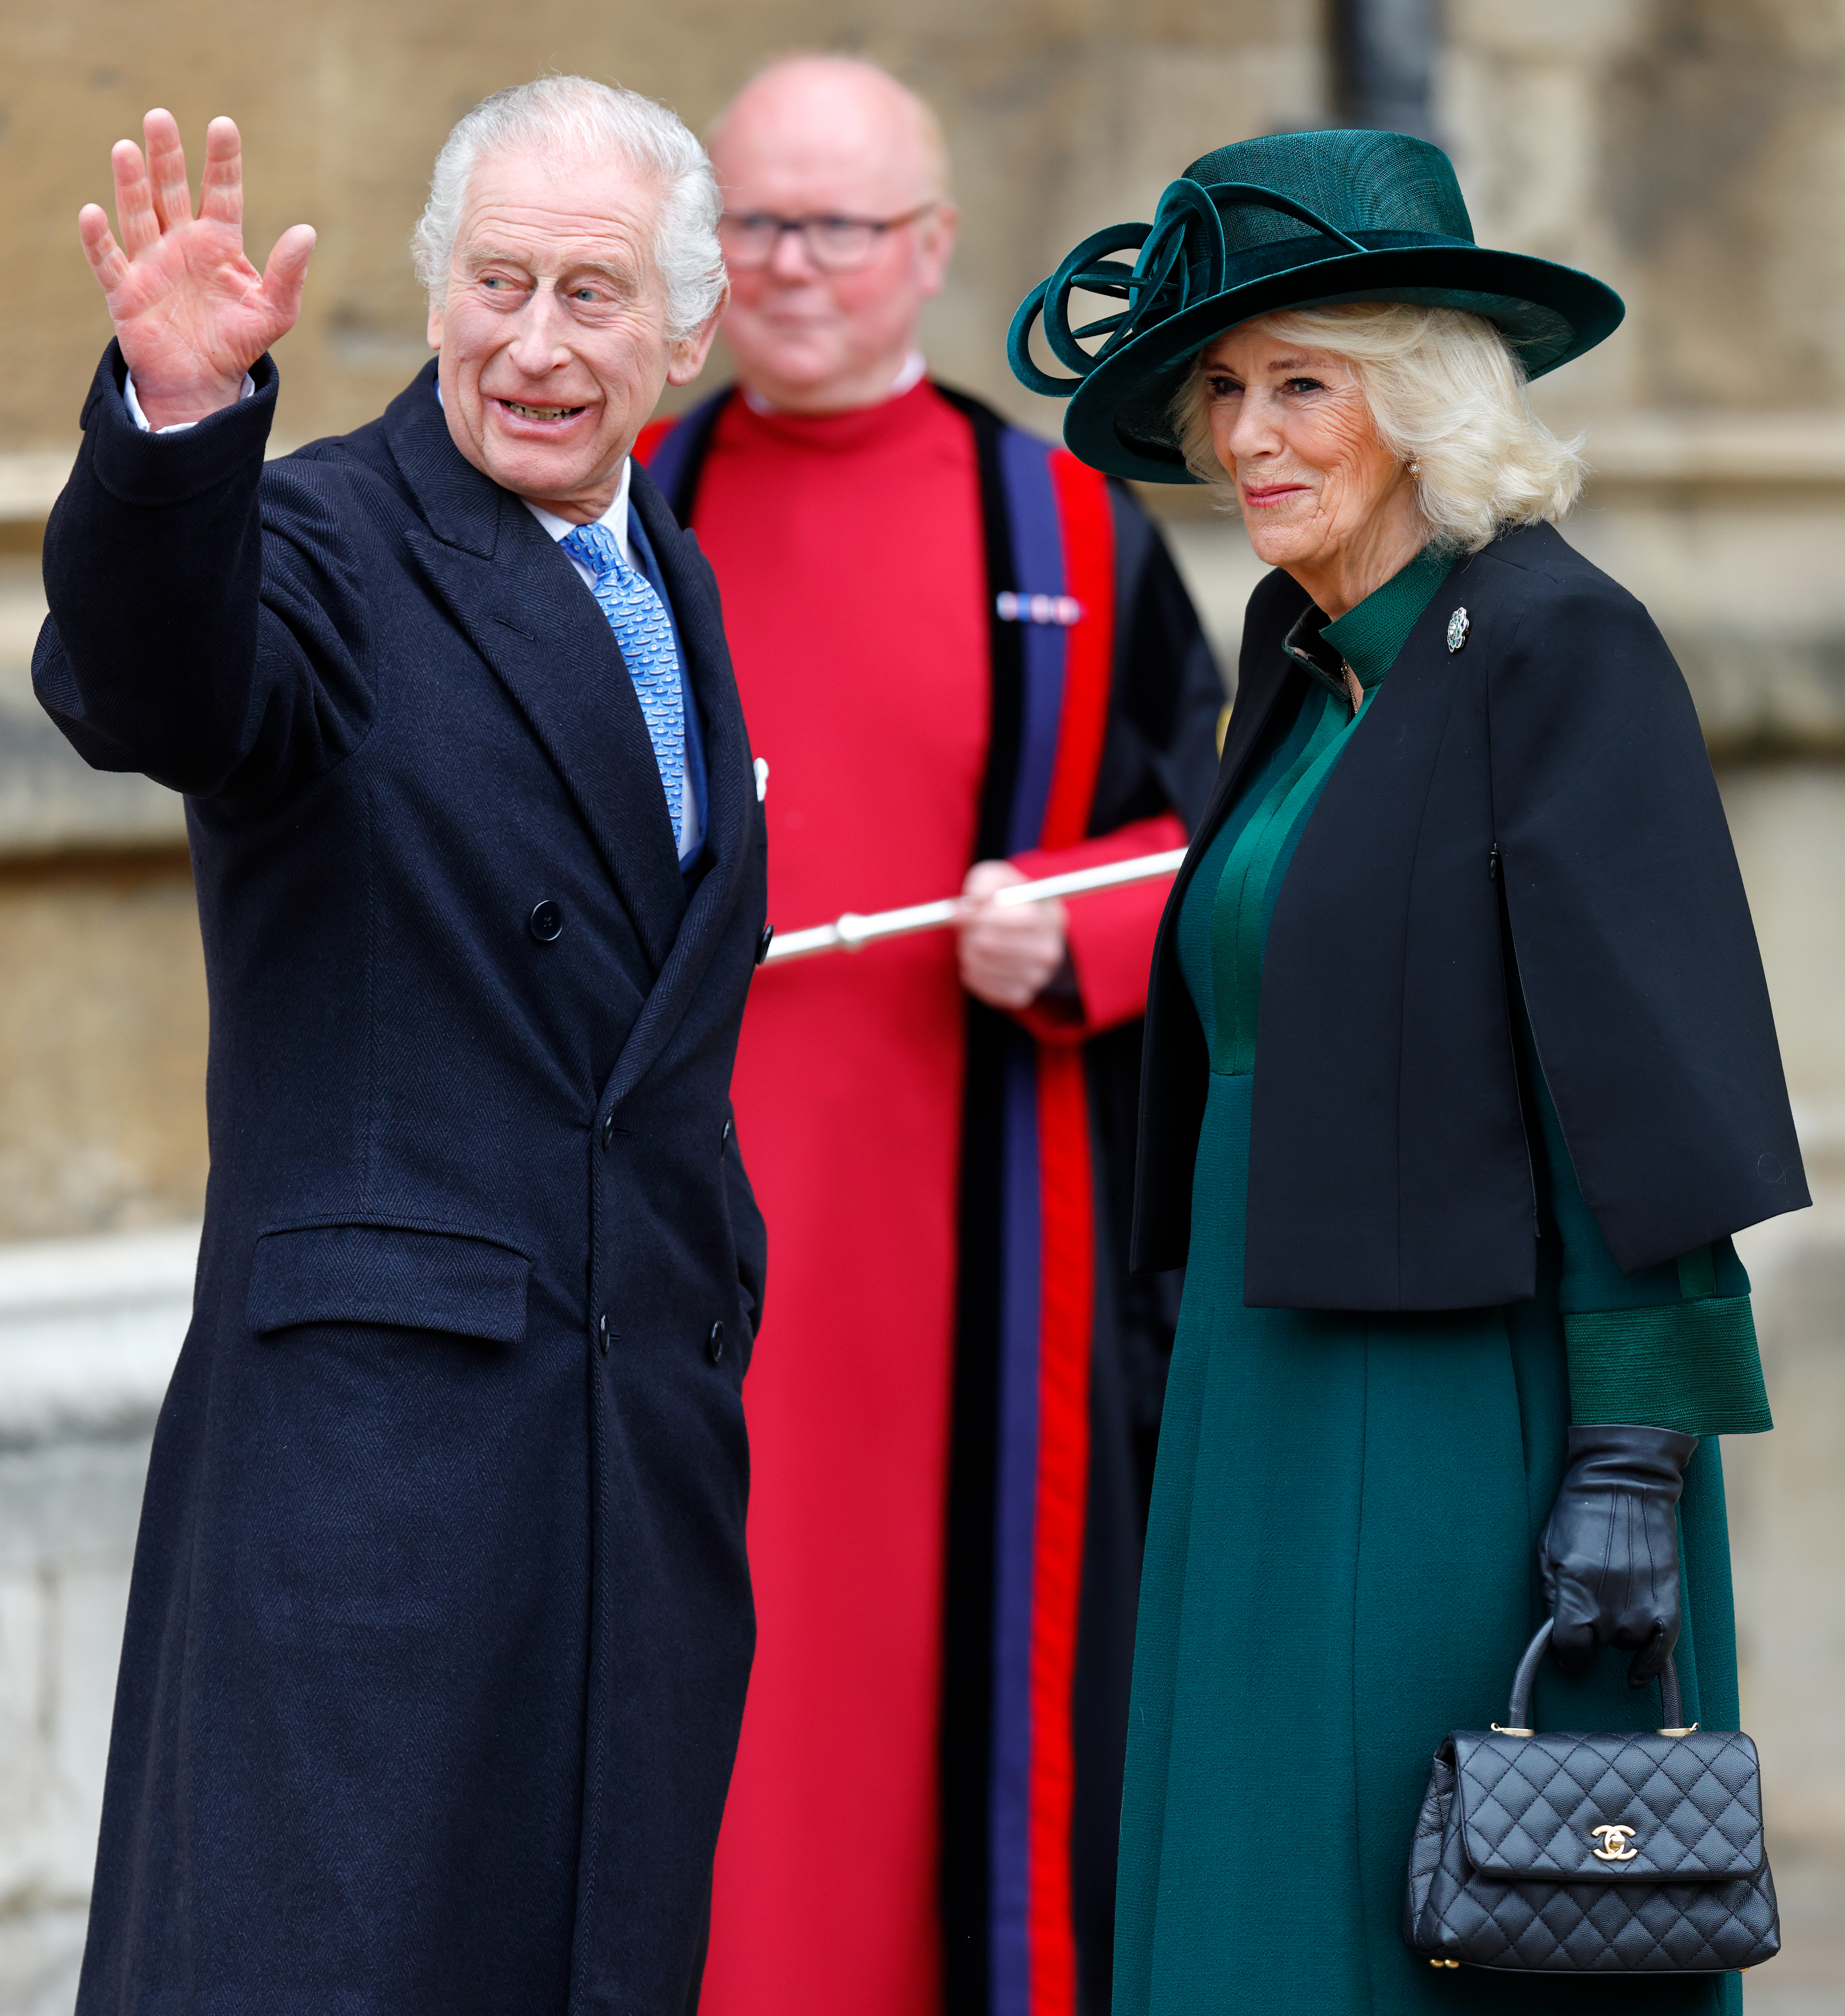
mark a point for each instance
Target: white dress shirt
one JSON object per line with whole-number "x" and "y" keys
{"x": 177, "y": 426}
{"x": 613, "y": 521}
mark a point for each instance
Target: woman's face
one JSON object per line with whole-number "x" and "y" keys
{"x": 1320, "y": 494}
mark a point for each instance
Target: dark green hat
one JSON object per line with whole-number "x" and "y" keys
{"x": 1383, "y": 221}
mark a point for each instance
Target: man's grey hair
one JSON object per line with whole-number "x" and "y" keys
{"x": 575, "y": 118}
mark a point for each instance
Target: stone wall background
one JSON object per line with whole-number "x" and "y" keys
{"x": 1691, "y": 151}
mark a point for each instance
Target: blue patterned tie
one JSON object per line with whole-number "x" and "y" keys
{"x": 645, "y": 632}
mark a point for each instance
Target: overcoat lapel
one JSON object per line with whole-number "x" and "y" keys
{"x": 692, "y": 590}
{"x": 524, "y": 608}
{"x": 730, "y": 783}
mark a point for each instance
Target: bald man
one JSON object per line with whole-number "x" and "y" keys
{"x": 965, "y": 659}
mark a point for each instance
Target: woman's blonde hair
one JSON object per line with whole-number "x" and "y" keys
{"x": 1446, "y": 393}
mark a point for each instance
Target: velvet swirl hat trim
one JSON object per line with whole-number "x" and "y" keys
{"x": 1290, "y": 221}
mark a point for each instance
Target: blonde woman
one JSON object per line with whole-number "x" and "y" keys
{"x": 1460, "y": 1071}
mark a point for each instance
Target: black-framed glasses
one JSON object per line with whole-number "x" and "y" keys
{"x": 834, "y": 244}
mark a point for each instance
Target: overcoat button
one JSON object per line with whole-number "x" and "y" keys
{"x": 762, "y": 944}
{"x": 608, "y": 1128}
{"x": 724, "y": 1139}
{"x": 602, "y": 1333}
{"x": 546, "y": 921}
{"x": 714, "y": 1343}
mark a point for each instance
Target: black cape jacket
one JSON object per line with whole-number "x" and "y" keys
{"x": 1530, "y": 806}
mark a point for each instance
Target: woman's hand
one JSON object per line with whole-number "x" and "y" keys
{"x": 1609, "y": 1554}
{"x": 191, "y": 312}
{"x": 1007, "y": 955}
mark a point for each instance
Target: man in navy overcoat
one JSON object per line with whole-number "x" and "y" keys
{"x": 440, "y": 1620}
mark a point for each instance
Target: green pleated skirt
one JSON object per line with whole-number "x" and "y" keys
{"x": 1340, "y": 1568}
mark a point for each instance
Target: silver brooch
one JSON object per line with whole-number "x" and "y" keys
{"x": 1458, "y": 624}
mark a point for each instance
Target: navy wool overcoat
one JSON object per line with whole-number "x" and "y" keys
{"x": 440, "y": 1620}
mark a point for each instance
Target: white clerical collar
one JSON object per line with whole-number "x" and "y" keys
{"x": 615, "y": 518}
{"x": 916, "y": 369}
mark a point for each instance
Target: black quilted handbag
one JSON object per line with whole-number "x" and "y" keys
{"x": 1599, "y": 1853}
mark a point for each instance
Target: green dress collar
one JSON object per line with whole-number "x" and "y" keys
{"x": 1369, "y": 636}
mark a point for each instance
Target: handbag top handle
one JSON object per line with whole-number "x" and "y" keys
{"x": 1518, "y": 1710}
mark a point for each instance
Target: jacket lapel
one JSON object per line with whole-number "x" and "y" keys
{"x": 692, "y": 589}
{"x": 526, "y": 610}
{"x": 730, "y": 782}
{"x": 1256, "y": 696}
{"x": 1263, "y": 677}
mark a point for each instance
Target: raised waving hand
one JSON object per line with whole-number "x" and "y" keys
{"x": 191, "y": 312}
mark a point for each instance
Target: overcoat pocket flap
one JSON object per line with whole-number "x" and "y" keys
{"x": 1610, "y": 1808}
{"x": 447, "y": 1281}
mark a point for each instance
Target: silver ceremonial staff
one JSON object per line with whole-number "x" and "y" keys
{"x": 851, "y": 932}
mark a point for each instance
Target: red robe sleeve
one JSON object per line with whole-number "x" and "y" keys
{"x": 1111, "y": 930}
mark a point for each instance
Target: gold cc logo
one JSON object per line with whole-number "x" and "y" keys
{"x": 1614, "y": 1847}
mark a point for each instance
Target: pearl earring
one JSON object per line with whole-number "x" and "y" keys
{"x": 1415, "y": 468}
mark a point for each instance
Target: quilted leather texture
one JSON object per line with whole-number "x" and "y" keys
{"x": 1530, "y": 1805}
{"x": 1538, "y": 1923}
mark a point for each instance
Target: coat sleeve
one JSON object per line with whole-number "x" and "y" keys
{"x": 1672, "y": 1345}
{"x": 208, "y": 623}
{"x": 1632, "y": 934}
{"x": 1159, "y": 758}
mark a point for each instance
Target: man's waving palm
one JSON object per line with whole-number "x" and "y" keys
{"x": 191, "y": 313}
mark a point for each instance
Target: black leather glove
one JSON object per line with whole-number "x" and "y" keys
{"x": 1609, "y": 1552}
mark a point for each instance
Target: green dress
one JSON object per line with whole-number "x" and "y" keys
{"x": 1339, "y": 1564}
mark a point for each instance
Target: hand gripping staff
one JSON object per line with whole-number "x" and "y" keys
{"x": 851, "y": 932}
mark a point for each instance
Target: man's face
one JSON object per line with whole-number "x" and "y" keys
{"x": 797, "y": 146}
{"x": 553, "y": 330}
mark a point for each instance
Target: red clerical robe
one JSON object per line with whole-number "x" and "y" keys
{"x": 855, "y": 552}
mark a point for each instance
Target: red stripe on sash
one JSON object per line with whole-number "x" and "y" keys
{"x": 1089, "y": 651}
{"x": 1066, "y": 1293}
{"x": 1067, "y": 1271}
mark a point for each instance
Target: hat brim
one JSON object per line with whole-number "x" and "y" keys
{"x": 1120, "y": 416}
